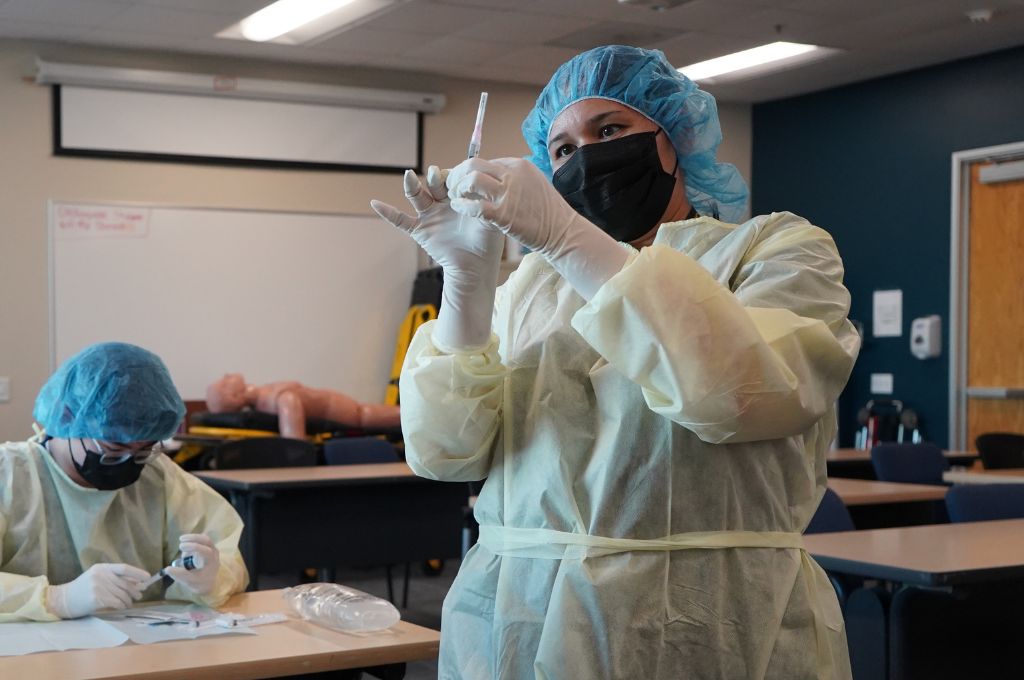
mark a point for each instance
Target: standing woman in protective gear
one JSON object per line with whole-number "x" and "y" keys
{"x": 652, "y": 424}
{"x": 90, "y": 506}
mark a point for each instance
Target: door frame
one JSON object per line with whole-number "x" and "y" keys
{"x": 959, "y": 278}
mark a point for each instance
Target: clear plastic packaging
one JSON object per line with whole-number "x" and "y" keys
{"x": 342, "y": 608}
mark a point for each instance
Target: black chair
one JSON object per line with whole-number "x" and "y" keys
{"x": 362, "y": 451}
{"x": 830, "y": 516}
{"x": 909, "y": 463}
{"x": 984, "y": 502}
{"x": 359, "y": 450}
{"x": 1001, "y": 450}
{"x": 949, "y": 636}
{"x": 261, "y": 452}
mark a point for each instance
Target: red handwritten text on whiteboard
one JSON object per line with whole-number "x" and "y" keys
{"x": 86, "y": 221}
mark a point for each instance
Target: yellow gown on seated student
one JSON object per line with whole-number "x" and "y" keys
{"x": 52, "y": 529}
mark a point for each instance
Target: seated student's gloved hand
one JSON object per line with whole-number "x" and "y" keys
{"x": 516, "y": 197}
{"x": 101, "y": 586}
{"x": 200, "y": 581}
{"x": 469, "y": 257}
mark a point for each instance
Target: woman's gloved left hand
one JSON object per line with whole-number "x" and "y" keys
{"x": 200, "y": 581}
{"x": 513, "y": 195}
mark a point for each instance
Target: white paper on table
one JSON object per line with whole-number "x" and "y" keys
{"x": 887, "y": 317}
{"x": 50, "y": 636}
{"x": 142, "y": 633}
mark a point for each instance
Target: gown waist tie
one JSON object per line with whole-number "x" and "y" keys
{"x": 552, "y": 544}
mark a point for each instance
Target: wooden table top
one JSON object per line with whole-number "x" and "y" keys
{"x": 277, "y": 650}
{"x": 314, "y": 475}
{"x": 846, "y": 455}
{"x": 930, "y": 555}
{"x": 871, "y": 492}
{"x": 1008, "y": 476}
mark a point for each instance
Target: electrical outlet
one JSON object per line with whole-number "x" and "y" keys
{"x": 5, "y": 389}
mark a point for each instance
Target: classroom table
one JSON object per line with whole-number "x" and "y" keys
{"x": 856, "y": 463}
{"x": 1002, "y": 476}
{"x": 278, "y": 650}
{"x": 874, "y": 505}
{"x": 937, "y": 555}
{"x": 329, "y": 515}
{"x": 981, "y": 564}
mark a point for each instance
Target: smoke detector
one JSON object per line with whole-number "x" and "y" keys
{"x": 656, "y": 5}
{"x": 977, "y": 16}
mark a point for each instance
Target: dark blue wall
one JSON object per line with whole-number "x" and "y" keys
{"x": 870, "y": 163}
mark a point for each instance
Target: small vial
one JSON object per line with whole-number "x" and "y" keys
{"x": 190, "y": 562}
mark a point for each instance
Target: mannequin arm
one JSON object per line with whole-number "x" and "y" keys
{"x": 291, "y": 415}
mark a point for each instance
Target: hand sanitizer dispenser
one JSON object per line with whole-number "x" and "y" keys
{"x": 926, "y": 337}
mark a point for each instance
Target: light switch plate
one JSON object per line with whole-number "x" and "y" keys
{"x": 5, "y": 389}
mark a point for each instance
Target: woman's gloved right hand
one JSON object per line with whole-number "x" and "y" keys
{"x": 101, "y": 586}
{"x": 469, "y": 256}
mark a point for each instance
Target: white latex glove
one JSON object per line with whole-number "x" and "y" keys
{"x": 469, "y": 257}
{"x": 101, "y": 586}
{"x": 514, "y": 196}
{"x": 199, "y": 581}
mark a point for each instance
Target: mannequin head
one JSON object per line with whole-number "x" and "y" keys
{"x": 227, "y": 394}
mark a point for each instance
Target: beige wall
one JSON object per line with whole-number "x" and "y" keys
{"x": 30, "y": 176}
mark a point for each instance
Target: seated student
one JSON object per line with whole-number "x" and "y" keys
{"x": 90, "y": 507}
{"x": 293, "y": 403}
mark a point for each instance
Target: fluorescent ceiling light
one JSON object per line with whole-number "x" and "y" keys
{"x": 284, "y": 16}
{"x": 295, "y": 22}
{"x": 771, "y": 57}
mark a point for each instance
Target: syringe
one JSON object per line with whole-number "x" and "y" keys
{"x": 475, "y": 138}
{"x": 190, "y": 562}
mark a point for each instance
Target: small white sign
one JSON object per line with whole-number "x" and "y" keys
{"x": 91, "y": 221}
{"x": 888, "y": 314}
{"x": 881, "y": 383}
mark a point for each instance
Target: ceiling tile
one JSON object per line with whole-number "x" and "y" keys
{"x": 40, "y": 30}
{"x": 455, "y": 50}
{"x": 84, "y": 13}
{"x": 524, "y": 28}
{"x": 240, "y": 8}
{"x": 423, "y": 16}
{"x": 161, "y": 21}
{"x": 372, "y": 41}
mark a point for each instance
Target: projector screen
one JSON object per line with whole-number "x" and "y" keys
{"x": 230, "y": 130}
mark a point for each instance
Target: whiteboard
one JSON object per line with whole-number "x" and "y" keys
{"x": 316, "y": 298}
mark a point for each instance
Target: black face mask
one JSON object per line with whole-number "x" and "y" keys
{"x": 618, "y": 185}
{"x": 107, "y": 477}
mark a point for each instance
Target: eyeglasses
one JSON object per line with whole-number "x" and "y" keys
{"x": 116, "y": 456}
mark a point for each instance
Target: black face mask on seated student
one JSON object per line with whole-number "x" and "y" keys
{"x": 107, "y": 477}
{"x": 619, "y": 185}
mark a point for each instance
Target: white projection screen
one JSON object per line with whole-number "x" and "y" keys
{"x": 91, "y": 121}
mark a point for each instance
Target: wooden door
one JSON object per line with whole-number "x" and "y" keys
{"x": 995, "y": 313}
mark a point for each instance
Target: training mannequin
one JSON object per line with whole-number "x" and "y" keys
{"x": 293, "y": 403}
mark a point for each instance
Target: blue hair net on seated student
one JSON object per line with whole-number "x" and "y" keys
{"x": 111, "y": 391}
{"x": 644, "y": 80}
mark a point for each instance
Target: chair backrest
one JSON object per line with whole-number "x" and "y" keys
{"x": 1001, "y": 450}
{"x": 359, "y": 450}
{"x": 831, "y": 515}
{"x": 983, "y": 502}
{"x": 263, "y": 452}
{"x": 910, "y": 463}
